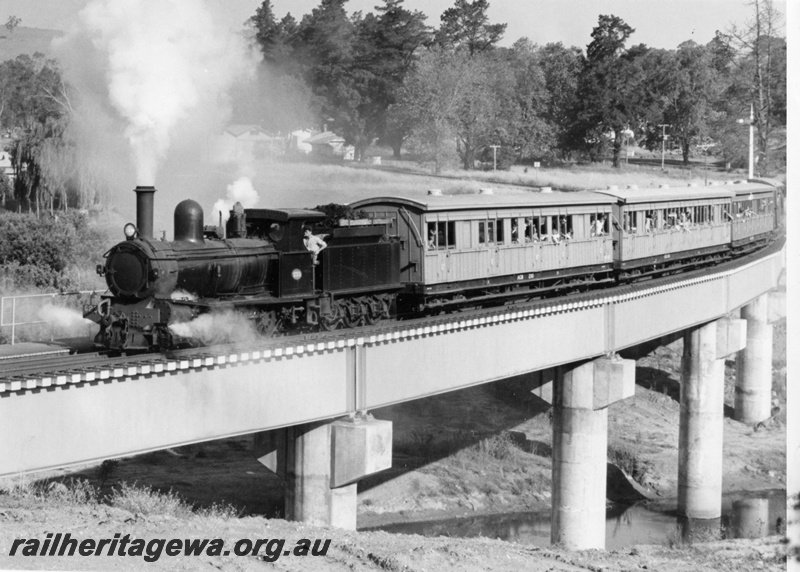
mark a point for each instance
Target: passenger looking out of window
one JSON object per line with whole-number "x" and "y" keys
{"x": 599, "y": 225}
{"x": 648, "y": 222}
{"x": 529, "y": 230}
{"x": 313, "y": 243}
{"x": 686, "y": 220}
{"x": 432, "y": 239}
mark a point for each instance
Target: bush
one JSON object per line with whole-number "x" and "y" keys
{"x": 44, "y": 252}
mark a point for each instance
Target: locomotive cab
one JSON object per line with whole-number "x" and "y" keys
{"x": 284, "y": 229}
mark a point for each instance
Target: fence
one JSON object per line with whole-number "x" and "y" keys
{"x": 63, "y": 313}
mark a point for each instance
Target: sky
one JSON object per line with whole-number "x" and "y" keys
{"x": 658, "y": 23}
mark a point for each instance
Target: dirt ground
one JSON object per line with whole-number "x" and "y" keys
{"x": 481, "y": 450}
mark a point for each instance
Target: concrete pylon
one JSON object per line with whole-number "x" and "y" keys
{"x": 753, "y": 401}
{"x": 322, "y": 463}
{"x": 581, "y": 395}
{"x": 700, "y": 432}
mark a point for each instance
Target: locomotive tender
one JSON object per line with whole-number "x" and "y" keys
{"x": 410, "y": 257}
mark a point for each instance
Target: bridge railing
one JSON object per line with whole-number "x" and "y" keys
{"x": 57, "y": 312}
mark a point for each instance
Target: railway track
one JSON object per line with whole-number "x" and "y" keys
{"x": 30, "y": 372}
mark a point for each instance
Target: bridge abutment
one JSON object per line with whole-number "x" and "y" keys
{"x": 580, "y": 395}
{"x": 753, "y": 400}
{"x": 701, "y": 416}
{"x": 322, "y": 463}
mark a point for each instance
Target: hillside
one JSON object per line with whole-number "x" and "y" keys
{"x": 26, "y": 41}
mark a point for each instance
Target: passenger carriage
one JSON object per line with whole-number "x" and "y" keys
{"x": 469, "y": 248}
{"x": 668, "y": 226}
{"x": 754, "y": 214}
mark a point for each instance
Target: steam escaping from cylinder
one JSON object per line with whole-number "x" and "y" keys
{"x": 166, "y": 65}
{"x": 217, "y": 328}
{"x": 239, "y": 191}
{"x": 63, "y": 318}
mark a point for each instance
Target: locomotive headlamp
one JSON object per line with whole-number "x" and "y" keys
{"x": 129, "y": 230}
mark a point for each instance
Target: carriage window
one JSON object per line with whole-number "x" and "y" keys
{"x": 599, "y": 224}
{"x": 501, "y": 230}
{"x": 433, "y": 238}
{"x": 486, "y": 231}
{"x": 649, "y": 220}
{"x": 529, "y": 230}
{"x": 565, "y": 226}
{"x": 441, "y": 235}
{"x": 628, "y": 224}
{"x": 515, "y": 231}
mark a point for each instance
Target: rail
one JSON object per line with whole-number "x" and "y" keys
{"x": 28, "y": 309}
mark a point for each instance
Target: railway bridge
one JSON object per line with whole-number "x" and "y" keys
{"x": 308, "y": 402}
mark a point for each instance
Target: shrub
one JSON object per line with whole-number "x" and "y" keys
{"x": 47, "y": 252}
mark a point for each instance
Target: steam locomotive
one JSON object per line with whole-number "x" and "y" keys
{"x": 415, "y": 256}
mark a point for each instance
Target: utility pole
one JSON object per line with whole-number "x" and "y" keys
{"x": 750, "y": 154}
{"x": 750, "y": 158}
{"x": 663, "y": 141}
{"x": 494, "y": 150}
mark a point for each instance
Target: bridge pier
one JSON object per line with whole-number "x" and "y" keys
{"x": 753, "y": 401}
{"x": 702, "y": 402}
{"x": 580, "y": 395}
{"x": 322, "y": 462}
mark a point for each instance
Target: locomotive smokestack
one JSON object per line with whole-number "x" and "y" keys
{"x": 144, "y": 211}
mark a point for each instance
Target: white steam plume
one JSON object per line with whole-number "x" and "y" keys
{"x": 241, "y": 191}
{"x": 218, "y": 328}
{"x": 65, "y": 318}
{"x": 167, "y": 66}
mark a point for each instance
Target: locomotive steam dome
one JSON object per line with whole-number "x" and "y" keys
{"x": 189, "y": 221}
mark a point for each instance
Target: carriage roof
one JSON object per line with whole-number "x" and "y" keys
{"x": 667, "y": 194}
{"x": 532, "y": 199}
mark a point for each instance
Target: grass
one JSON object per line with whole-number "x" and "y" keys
{"x": 136, "y": 499}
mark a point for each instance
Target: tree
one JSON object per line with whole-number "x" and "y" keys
{"x": 466, "y": 25}
{"x": 481, "y": 116}
{"x": 522, "y": 120}
{"x": 689, "y": 92}
{"x": 396, "y": 36}
{"x": 561, "y": 67}
{"x": 12, "y": 23}
{"x": 759, "y": 54}
{"x": 429, "y": 102}
{"x": 37, "y": 112}
{"x": 609, "y": 88}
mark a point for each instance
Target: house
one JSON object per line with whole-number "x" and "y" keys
{"x": 329, "y": 145}
{"x": 5, "y": 165}
{"x": 246, "y": 143}
{"x": 297, "y": 141}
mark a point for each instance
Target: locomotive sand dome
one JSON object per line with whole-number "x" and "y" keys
{"x": 416, "y": 256}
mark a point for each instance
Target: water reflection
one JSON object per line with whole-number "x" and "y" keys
{"x": 745, "y": 515}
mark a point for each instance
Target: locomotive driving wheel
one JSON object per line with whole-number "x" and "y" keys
{"x": 332, "y": 320}
{"x": 267, "y": 323}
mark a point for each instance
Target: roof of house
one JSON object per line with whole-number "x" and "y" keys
{"x": 323, "y": 138}
{"x": 239, "y": 130}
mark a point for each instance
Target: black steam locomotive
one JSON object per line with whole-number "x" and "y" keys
{"x": 260, "y": 268}
{"x": 415, "y": 256}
